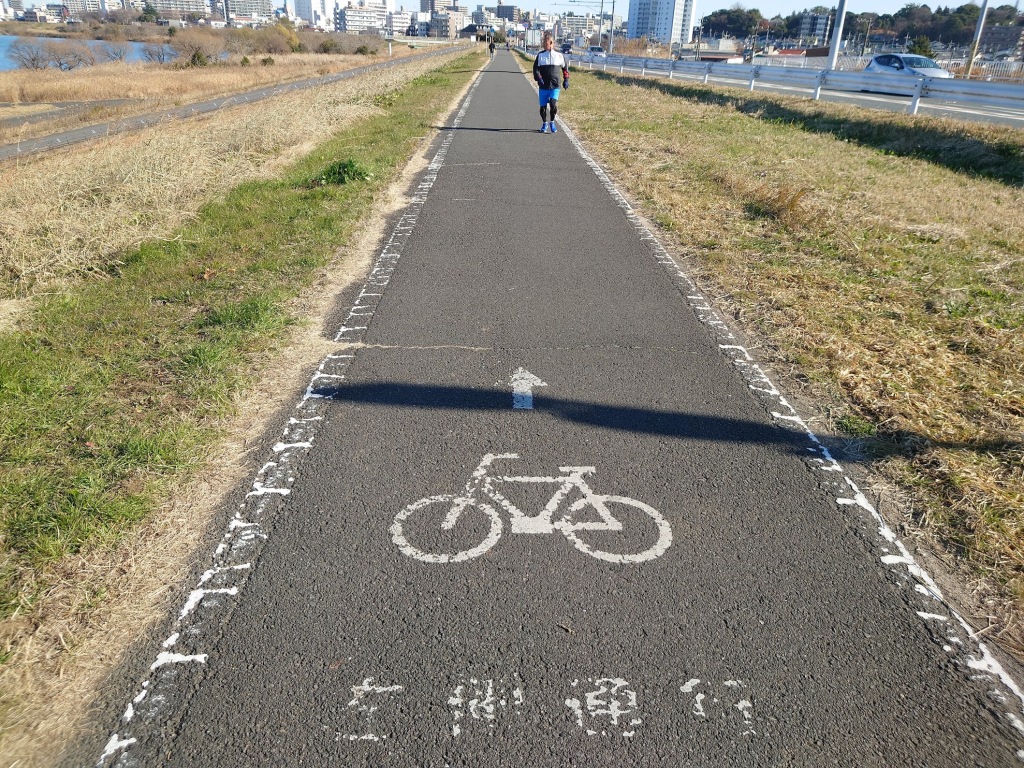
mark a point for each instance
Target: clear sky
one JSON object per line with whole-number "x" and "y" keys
{"x": 768, "y": 8}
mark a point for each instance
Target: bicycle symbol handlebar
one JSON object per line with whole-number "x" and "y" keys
{"x": 452, "y": 528}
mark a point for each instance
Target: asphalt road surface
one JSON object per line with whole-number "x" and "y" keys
{"x": 933, "y": 105}
{"x": 541, "y": 508}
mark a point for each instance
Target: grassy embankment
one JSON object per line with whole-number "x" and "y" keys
{"x": 879, "y": 259}
{"x": 149, "y": 87}
{"x": 140, "y": 33}
{"x": 158, "y": 282}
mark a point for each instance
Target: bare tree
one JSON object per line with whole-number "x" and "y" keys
{"x": 115, "y": 51}
{"x": 123, "y": 16}
{"x": 68, "y": 55}
{"x": 29, "y": 55}
{"x": 241, "y": 41}
{"x": 157, "y": 53}
{"x": 199, "y": 47}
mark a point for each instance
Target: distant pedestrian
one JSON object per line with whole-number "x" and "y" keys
{"x": 491, "y": 49}
{"x": 550, "y": 70}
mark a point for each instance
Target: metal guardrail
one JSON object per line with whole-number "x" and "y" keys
{"x": 1009, "y": 95}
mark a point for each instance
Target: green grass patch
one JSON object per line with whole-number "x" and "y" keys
{"x": 113, "y": 389}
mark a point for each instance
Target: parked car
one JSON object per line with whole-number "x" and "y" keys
{"x": 906, "y": 64}
{"x": 597, "y": 52}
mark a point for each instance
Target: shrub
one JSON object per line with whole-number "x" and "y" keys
{"x": 341, "y": 172}
{"x": 268, "y": 61}
{"x": 198, "y": 47}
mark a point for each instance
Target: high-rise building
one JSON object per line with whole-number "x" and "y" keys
{"x": 318, "y": 13}
{"x": 78, "y": 7}
{"x": 815, "y": 26}
{"x": 364, "y": 19}
{"x": 509, "y": 12}
{"x": 176, "y": 8}
{"x": 578, "y": 25}
{"x": 667, "y": 21}
{"x": 398, "y": 22}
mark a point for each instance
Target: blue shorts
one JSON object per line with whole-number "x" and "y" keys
{"x": 547, "y": 95}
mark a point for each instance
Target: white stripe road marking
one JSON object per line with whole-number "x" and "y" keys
{"x": 235, "y": 553}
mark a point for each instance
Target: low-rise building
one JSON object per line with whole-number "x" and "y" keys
{"x": 1004, "y": 40}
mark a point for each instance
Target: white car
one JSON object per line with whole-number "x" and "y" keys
{"x": 597, "y": 52}
{"x": 906, "y": 64}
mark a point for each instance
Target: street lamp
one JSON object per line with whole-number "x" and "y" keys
{"x": 700, "y": 34}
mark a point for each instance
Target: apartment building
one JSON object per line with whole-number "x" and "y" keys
{"x": 667, "y": 21}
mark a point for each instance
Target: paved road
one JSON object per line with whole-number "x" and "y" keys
{"x": 932, "y": 105}
{"x": 750, "y": 608}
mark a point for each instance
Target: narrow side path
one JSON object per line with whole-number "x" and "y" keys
{"x": 537, "y": 510}
{"x": 151, "y": 119}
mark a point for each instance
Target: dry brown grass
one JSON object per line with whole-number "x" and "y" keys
{"x": 127, "y": 188}
{"x": 58, "y": 653}
{"x": 167, "y": 82}
{"x": 892, "y": 286}
{"x": 152, "y": 87}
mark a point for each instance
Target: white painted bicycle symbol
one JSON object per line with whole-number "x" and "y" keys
{"x": 451, "y": 528}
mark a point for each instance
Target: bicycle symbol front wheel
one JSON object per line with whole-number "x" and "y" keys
{"x": 637, "y": 526}
{"x": 435, "y": 530}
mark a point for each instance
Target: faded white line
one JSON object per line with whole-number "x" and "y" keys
{"x": 903, "y": 564}
{"x": 240, "y": 543}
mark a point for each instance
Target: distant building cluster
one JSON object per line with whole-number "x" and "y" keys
{"x": 663, "y": 21}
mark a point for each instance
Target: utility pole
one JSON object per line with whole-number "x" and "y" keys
{"x": 837, "y": 34}
{"x": 611, "y": 34}
{"x": 977, "y": 38}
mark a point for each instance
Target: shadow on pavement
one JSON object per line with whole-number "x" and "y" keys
{"x": 692, "y": 426}
{"x": 620, "y": 418}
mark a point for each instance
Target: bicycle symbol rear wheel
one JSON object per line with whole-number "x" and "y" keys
{"x": 639, "y": 524}
{"x": 421, "y": 531}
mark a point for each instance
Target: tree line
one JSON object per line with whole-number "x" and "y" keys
{"x": 950, "y": 25}
{"x": 192, "y": 46}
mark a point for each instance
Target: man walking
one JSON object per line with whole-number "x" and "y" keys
{"x": 491, "y": 49}
{"x": 550, "y": 70}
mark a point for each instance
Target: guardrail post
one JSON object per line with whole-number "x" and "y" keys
{"x": 707, "y": 73}
{"x": 918, "y": 89}
{"x": 754, "y": 72}
{"x": 622, "y": 65}
{"x": 671, "y": 68}
{"x": 643, "y": 68}
{"x": 818, "y": 82}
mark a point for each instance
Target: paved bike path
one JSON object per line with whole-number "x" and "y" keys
{"x": 775, "y": 628}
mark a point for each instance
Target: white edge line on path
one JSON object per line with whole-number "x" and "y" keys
{"x": 220, "y": 587}
{"x": 977, "y": 662}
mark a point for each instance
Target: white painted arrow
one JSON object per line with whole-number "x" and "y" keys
{"x": 523, "y": 382}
